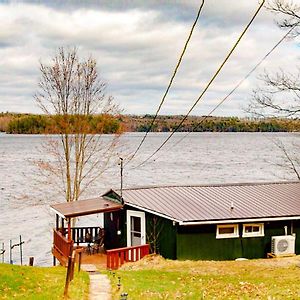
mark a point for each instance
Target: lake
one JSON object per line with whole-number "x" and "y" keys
{"x": 201, "y": 158}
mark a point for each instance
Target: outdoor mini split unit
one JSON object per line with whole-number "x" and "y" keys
{"x": 283, "y": 244}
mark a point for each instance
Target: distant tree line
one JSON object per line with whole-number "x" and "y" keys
{"x": 237, "y": 125}
{"x": 215, "y": 124}
{"x": 40, "y": 124}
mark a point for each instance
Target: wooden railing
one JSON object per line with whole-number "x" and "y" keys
{"x": 117, "y": 257}
{"x": 80, "y": 234}
{"x": 61, "y": 244}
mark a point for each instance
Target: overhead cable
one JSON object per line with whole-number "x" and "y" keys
{"x": 237, "y": 86}
{"x": 207, "y": 86}
{"x": 170, "y": 83}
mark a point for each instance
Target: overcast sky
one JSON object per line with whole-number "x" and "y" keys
{"x": 137, "y": 46}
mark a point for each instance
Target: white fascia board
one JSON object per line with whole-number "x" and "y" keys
{"x": 239, "y": 221}
{"x": 152, "y": 212}
{"x": 57, "y": 212}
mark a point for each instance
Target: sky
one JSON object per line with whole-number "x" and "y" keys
{"x": 136, "y": 45}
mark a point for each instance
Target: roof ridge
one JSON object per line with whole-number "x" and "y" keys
{"x": 212, "y": 185}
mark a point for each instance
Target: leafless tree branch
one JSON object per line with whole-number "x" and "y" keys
{"x": 71, "y": 92}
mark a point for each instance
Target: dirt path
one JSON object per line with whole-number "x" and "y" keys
{"x": 100, "y": 288}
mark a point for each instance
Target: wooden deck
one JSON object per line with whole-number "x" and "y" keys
{"x": 63, "y": 245}
{"x": 97, "y": 259}
{"x": 93, "y": 250}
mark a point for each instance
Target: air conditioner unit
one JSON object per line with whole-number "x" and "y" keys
{"x": 283, "y": 244}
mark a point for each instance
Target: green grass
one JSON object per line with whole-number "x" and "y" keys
{"x": 253, "y": 279}
{"x": 40, "y": 283}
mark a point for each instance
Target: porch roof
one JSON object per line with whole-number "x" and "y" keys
{"x": 85, "y": 207}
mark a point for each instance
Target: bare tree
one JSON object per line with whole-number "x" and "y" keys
{"x": 71, "y": 92}
{"x": 291, "y": 160}
{"x": 279, "y": 93}
{"x": 288, "y": 13}
{"x": 155, "y": 228}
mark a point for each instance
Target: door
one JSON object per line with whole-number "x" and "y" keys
{"x": 136, "y": 229}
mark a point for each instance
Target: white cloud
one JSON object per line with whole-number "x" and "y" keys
{"x": 137, "y": 47}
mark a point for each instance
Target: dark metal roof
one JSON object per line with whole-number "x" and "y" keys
{"x": 213, "y": 202}
{"x": 86, "y": 207}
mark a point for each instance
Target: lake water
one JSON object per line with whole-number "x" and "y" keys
{"x": 200, "y": 158}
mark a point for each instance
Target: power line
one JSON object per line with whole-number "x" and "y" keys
{"x": 207, "y": 86}
{"x": 238, "y": 85}
{"x": 170, "y": 82}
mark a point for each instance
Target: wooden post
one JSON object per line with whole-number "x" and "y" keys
{"x": 21, "y": 250}
{"x": 70, "y": 272}
{"x": 10, "y": 252}
{"x": 79, "y": 251}
{"x": 69, "y": 229}
{"x": 72, "y": 266}
{"x": 3, "y": 251}
{"x": 68, "y": 276}
{"x": 31, "y": 259}
{"x": 57, "y": 222}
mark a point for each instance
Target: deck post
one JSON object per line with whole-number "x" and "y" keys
{"x": 69, "y": 229}
{"x": 63, "y": 226}
{"x": 57, "y": 221}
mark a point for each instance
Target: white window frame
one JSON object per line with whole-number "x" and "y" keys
{"x": 261, "y": 231}
{"x": 235, "y": 233}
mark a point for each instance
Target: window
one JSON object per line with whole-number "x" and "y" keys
{"x": 227, "y": 231}
{"x": 252, "y": 230}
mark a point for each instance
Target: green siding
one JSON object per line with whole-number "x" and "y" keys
{"x": 296, "y": 225}
{"x": 166, "y": 238}
{"x": 199, "y": 242}
{"x": 254, "y": 247}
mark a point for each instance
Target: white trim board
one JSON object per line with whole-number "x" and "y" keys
{"x": 58, "y": 213}
{"x": 240, "y": 221}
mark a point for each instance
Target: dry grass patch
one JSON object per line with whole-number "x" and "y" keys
{"x": 156, "y": 278}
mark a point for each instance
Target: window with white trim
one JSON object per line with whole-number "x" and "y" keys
{"x": 253, "y": 230}
{"x": 227, "y": 231}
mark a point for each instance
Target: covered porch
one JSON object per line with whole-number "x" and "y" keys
{"x": 89, "y": 241}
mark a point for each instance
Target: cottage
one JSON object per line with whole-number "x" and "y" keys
{"x": 207, "y": 221}
{"x": 215, "y": 222}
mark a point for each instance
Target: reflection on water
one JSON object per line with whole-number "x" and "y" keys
{"x": 199, "y": 158}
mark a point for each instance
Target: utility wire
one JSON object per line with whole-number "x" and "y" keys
{"x": 170, "y": 82}
{"x": 207, "y": 86}
{"x": 237, "y": 86}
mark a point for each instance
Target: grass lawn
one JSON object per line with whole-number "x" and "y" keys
{"x": 156, "y": 278}
{"x": 18, "y": 282}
